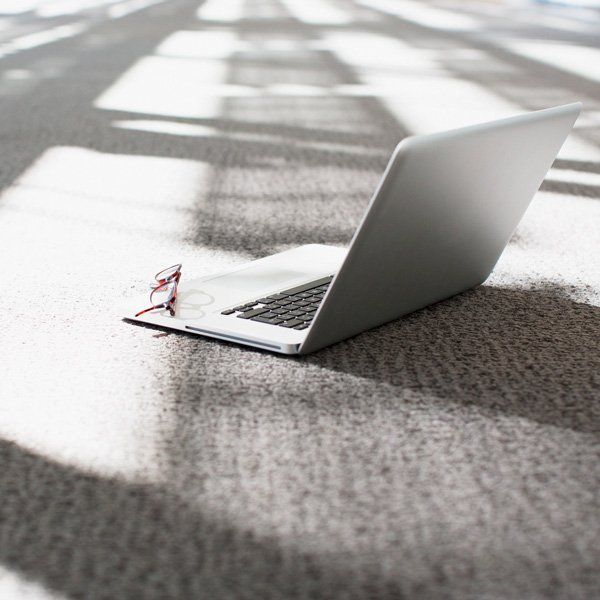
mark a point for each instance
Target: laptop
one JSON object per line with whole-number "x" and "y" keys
{"x": 445, "y": 208}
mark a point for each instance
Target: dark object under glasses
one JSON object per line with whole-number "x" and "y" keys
{"x": 164, "y": 292}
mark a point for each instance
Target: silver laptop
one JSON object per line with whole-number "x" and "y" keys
{"x": 444, "y": 210}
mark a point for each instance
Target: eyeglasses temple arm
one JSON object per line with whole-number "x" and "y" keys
{"x": 146, "y": 310}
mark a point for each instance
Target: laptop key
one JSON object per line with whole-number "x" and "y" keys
{"x": 296, "y": 313}
{"x": 270, "y": 315}
{"x": 291, "y": 323}
{"x": 301, "y": 326}
{"x": 261, "y": 319}
{"x": 283, "y": 302}
{"x": 277, "y": 297}
{"x": 229, "y": 311}
{"x": 252, "y": 313}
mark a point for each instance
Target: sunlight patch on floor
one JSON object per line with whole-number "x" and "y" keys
{"x": 559, "y": 234}
{"x": 129, "y": 7}
{"x": 221, "y": 43}
{"x": 589, "y": 119}
{"x": 378, "y": 52}
{"x": 422, "y": 14}
{"x": 90, "y": 228}
{"x": 41, "y": 38}
{"x": 176, "y": 87}
{"x": 16, "y": 7}
{"x": 59, "y": 8}
{"x": 14, "y": 586}
{"x": 578, "y": 177}
{"x": 582, "y": 61}
{"x": 317, "y": 12}
{"x": 221, "y": 11}
{"x": 167, "y": 127}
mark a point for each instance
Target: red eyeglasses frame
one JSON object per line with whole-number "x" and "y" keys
{"x": 164, "y": 282}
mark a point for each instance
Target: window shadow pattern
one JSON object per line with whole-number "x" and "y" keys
{"x": 506, "y": 354}
{"x": 88, "y": 537}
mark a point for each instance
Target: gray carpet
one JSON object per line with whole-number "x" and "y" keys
{"x": 451, "y": 454}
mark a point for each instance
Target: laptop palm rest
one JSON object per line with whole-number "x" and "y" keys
{"x": 259, "y": 278}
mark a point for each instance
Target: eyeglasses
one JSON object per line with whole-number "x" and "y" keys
{"x": 164, "y": 291}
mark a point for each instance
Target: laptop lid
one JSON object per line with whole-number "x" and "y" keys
{"x": 442, "y": 214}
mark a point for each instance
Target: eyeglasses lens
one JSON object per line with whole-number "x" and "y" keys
{"x": 162, "y": 294}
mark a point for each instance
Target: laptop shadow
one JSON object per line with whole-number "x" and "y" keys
{"x": 532, "y": 353}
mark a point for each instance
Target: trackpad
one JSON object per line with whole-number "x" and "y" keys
{"x": 260, "y": 278}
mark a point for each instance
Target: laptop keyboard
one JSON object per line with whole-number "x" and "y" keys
{"x": 293, "y": 308}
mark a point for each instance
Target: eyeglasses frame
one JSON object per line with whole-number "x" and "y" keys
{"x": 169, "y": 304}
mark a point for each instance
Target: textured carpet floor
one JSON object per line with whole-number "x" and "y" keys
{"x": 451, "y": 454}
